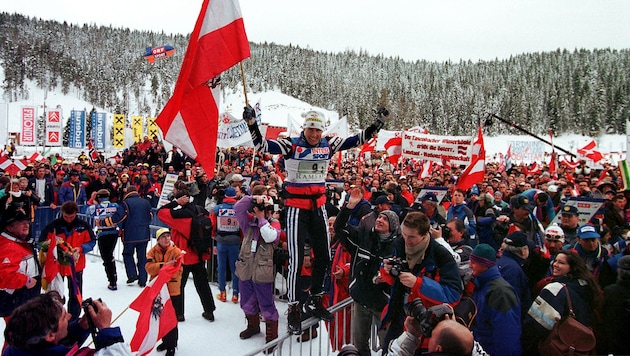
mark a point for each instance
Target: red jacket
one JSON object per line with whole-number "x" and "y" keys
{"x": 180, "y": 231}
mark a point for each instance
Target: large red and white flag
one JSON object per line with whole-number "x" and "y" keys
{"x": 394, "y": 149}
{"x": 369, "y": 146}
{"x": 426, "y": 169}
{"x": 157, "y": 315}
{"x": 190, "y": 118}
{"x": 36, "y": 157}
{"x": 51, "y": 273}
{"x": 476, "y": 171}
{"x": 589, "y": 151}
{"x": 553, "y": 163}
{"x": 12, "y": 165}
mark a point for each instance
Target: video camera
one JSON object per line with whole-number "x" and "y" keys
{"x": 398, "y": 265}
{"x": 427, "y": 318}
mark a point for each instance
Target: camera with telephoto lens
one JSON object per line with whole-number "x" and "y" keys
{"x": 427, "y": 318}
{"x": 446, "y": 232}
{"x": 398, "y": 265}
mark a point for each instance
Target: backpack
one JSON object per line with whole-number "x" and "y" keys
{"x": 201, "y": 231}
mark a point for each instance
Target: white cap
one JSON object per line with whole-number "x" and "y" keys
{"x": 314, "y": 119}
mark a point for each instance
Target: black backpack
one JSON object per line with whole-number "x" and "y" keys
{"x": 201, "y": 231}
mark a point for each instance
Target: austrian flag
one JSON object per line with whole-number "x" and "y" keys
{"x": 157, "y": 316}
{"x": 394, "y": 149}
{"x": 190, "y": 118}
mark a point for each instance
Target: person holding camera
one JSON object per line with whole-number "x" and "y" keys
{"x": 498, "y": 323}
{"x": 254, "y": 267}
{"x": 306, "y": 161}
{"x": 42, "y": 326}
{"x": 368, "y": 247}
{"x": 428, "y": 272}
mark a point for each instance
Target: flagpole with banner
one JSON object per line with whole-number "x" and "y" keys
{"x": 190, "y": 118}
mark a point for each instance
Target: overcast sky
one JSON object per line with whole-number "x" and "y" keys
{"x": 436, "y": 30}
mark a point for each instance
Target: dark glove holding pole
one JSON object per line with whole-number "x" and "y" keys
{"x": 249, "y": 115}
{"x": 382, "y": 114}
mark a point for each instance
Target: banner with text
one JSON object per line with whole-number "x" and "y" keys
{"x": 527, "y": 151}
{"x": 152, "y": 128}
{"x": 98, "y": 129}
{"x": 29, "y": 127}
{"x": 232, "y": 132}
{"x": 53, "y": 128}
{"x": 452, "y": 149}
{"x": 138, "y": 129}
{"x": 119, "y": 131}
{"x": 76, "y": 138}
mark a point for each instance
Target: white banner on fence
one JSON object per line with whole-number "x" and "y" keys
{"x": 454, "y": 150}
{"x": 233, "y": 132}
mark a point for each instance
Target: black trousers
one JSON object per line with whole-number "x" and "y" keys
{"x": 200, "y": 279}
{"x": 106, "y": 246}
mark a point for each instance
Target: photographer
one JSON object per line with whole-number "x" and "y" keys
{"x": 367, "y": 248}
{"x": 431, "y": 275}
{"x": 448, "y": 337}
{"x": 42, "y": 326}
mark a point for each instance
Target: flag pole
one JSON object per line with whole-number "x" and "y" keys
{"x": 243, "y": 79}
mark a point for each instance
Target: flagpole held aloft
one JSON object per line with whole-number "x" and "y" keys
{"x": 244, "y": 86}
{"x": 488, "y": 122}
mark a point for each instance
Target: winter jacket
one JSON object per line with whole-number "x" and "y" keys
{"x": 18, "y": 264}
{"x": 463, "y": 213}
{"x": 255, "y": 259}
{"x": 72, "y": 192}
{"x": 224, "y": 223}
{"x": 49, "y": 192}
{"x": 551, "y": 305}
{"x": 438, "y": 282}
{"x": 617, "y": 314}
{"x": 510, "y": 267}
{"x": 133, "y": 216}
{"x": 179, "y": 218}
{"x": 157, "y": 257}
{"x": 367, "y": 251}
{"x": 77, "y": 233}
{"x": 498, "y": 323}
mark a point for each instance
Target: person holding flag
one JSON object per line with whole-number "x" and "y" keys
{"x": 165, "y": 253}
{"x": 306, "y": 161}
{"x": 80, "y": 238}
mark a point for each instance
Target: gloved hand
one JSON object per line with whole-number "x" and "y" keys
{"x": 382, "y": 114}
{"x": 249, "y": 115}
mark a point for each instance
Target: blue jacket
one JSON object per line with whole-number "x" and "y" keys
{"x": 510, "y": 267}
{"x": 133, "y": 216}
{"x": 498, "y": 324}
{"x": 72, "y": 192}
{"x": 463, "y": 213}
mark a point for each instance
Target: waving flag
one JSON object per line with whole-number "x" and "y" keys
{"x": 553, "y": 165}
{"x": 12, "y": 165}
{"x": 51, "y": 274}
{"x": 476, "y": 171}
{"x": 394, "y": 149}
{"x": 190, "y": 118}
{"x": 36, "y": 157}
{"x": 369, "y": 146}
{"x": 589, "y": 151}
{"x": 157, "y": 315}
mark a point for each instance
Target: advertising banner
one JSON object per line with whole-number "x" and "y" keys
{"x": 119, "y": 131}
{"x": 53, "y": 128}
{"x": 138, "y": 129}
{"x": 98, "y": 129}
{"x": 29, "y": 127}
{"x": 76, "y": 138}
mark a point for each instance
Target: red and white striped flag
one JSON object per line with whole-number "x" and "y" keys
{"x": 157, "y": 315}
{"x": 394, "y": 149}
{"x": 190, "y": 118}
{"x": 476, "y": 171}
{"x": 589, "y": 151}
{"x": 51, "y": 273}
{"x": 12, "y": 166}
{"x": 36, "y": 157}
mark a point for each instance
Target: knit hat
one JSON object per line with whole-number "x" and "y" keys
{"x": 160, "y": 232}
{"x": 623, "y": 268}
{"x": 314, "y": 119}
{"x": 484, "y": 254}
{"x": 230, "y": 192}
{"x": 394, "y": 220}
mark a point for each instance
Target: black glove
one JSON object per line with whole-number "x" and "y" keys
{"x": 249, "y": 115}
{"x": 382, "y": 114}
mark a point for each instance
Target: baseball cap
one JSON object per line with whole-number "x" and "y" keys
{"x": 520, "y": 201}
{"x": 569, "y": 210}
{"x": 237, "y": 178}
{"x": 382, "y": 199}
{"x": 230, "y": 192}
{"x": 74, "y": 173}
{"x": 430, "y": 196}
{"x": 102, "y": 171}
{"x": 516, "y": 239}
{"x": 587, "y": 232}
{"x": 314, "y": 119}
